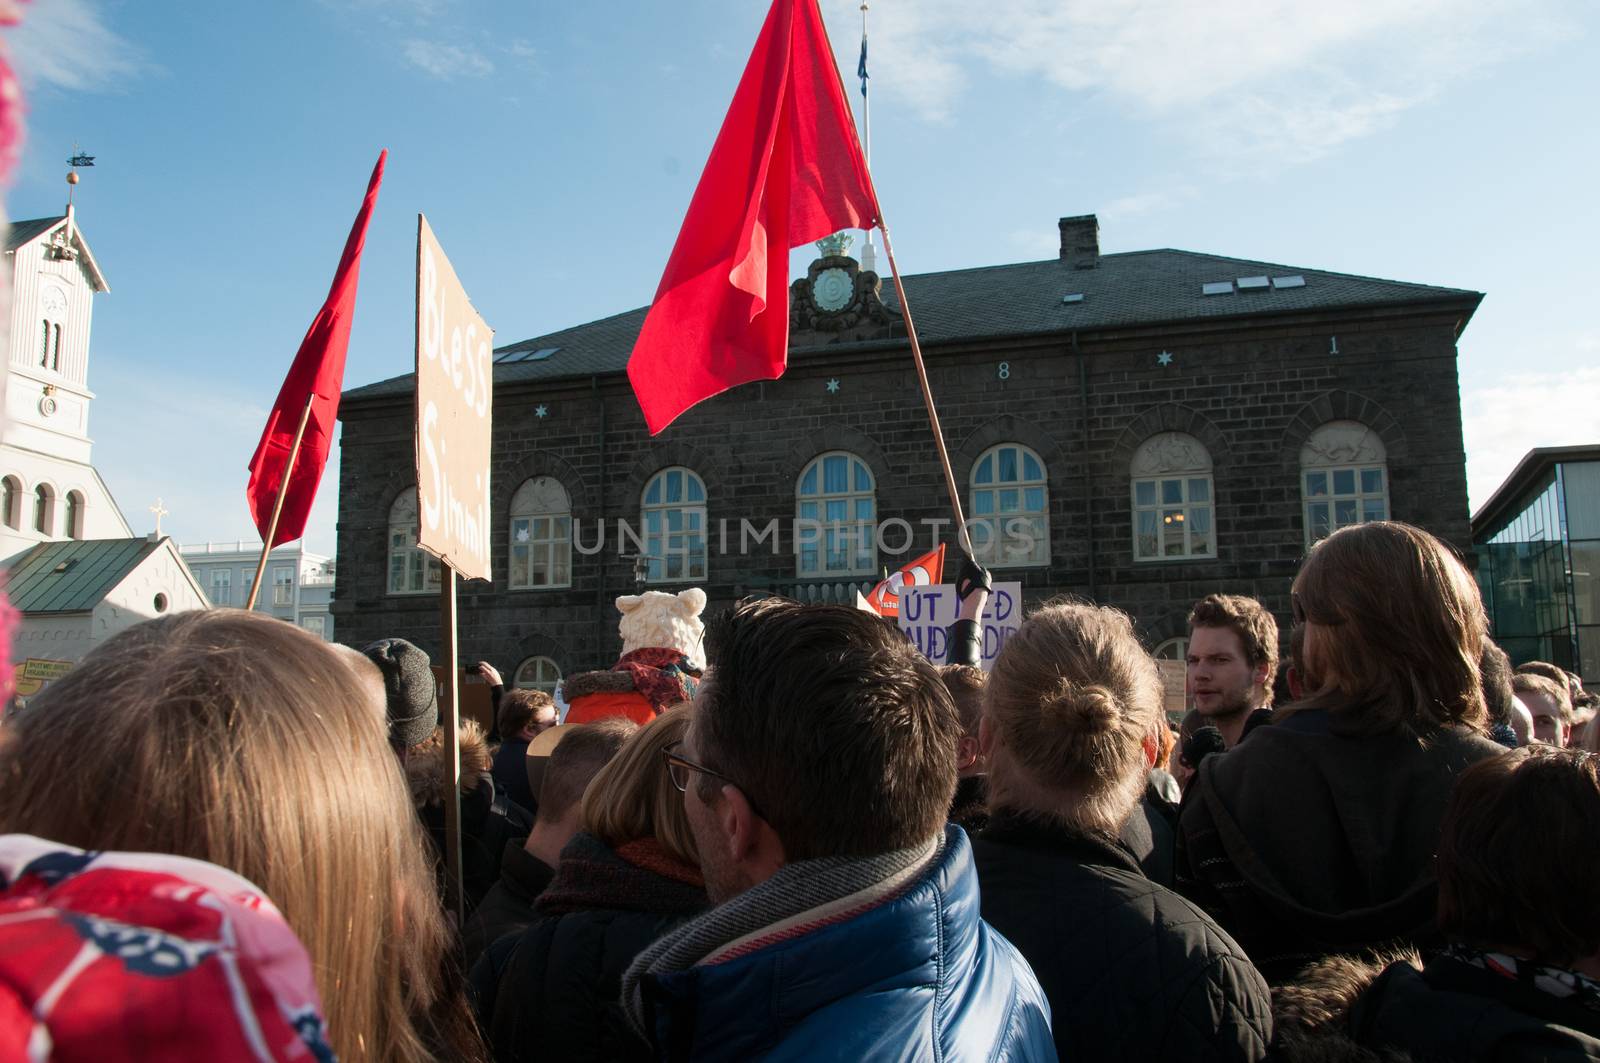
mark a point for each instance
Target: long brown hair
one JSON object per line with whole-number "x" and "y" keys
{"x": 240, "y": 739}
{"x": 1070, "y": 703}
{"x": 1396, "y": 631}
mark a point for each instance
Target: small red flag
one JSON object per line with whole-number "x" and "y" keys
{"x": 925, "y": 571}
{"x": 786, "y": 169}
{"x": 318, "y": 370}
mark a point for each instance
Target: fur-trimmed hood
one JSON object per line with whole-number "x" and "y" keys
{"x": 1311, "y": 1014}
{"x": 425, "y": 763}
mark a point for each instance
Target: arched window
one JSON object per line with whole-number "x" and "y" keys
{"x": 537, "y": 673}
{"x": 44, "y": 510}
{"x": 541, "y": 535}
{"x": 11, "y": 502}
{"x": 1172, "y": 650}
{"x": 412, "y": 570}
{"x": 1172, "y": 506}
{"x": 74, "y": 528}
{"x": 1344, "y": 478}
{"x": 1010, "y": 514}
{"x": 674, "y": 518}
{"x": 836, "y": 508}
{"x": 53, "y": 309}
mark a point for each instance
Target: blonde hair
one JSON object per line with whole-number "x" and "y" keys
{"x": 633, "y": 796}
{"x": 1071, "y": 701}
{"x": 240, "y": 739}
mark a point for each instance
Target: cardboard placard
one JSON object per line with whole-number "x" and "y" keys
{"x": 455, "y": 393}
{"x": 473, "y": 697}
{"x": 1173, "y": 675}
{"x": 926, "y": 614}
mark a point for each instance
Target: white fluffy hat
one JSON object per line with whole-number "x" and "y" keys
{"x": 655, "y": 620}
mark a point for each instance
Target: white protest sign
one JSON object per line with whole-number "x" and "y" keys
{"x": 926, "y": 614}
{"x": 455, "y": 383}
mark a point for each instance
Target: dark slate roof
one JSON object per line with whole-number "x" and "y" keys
{"x": 93, "y": 568}
{"x": 23, "y": 231}
{"x": 1017, "y": 300}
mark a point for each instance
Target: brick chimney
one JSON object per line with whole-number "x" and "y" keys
{"x": 1080, "y": 241}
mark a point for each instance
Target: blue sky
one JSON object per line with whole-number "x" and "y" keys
{"x": 554, "y": 148}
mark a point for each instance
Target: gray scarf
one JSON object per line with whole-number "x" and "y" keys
{"x": 794, "y": 890}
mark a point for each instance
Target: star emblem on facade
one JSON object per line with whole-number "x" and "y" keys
{"x": 541, "y": 411}
{"x": 1164, "y": 358}
{"x": 833, "y": 386}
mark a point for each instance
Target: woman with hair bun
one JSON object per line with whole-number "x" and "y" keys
{"x": 1132, "y": 970}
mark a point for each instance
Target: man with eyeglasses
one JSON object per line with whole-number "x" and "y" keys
{"x": 817, "y": 772}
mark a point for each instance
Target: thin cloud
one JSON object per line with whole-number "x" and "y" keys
{"x": 1504, "y": 421}
{"x": 1251, "y": 81}
{"x": 66, "y": 44}
{"x": 447, "y": 61}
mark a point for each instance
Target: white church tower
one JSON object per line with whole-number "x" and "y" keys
{"x": 49, "y": 490}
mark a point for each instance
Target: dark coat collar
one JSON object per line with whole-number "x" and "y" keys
{"x": 1009, "y": 827}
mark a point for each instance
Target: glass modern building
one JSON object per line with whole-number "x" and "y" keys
{"x": 1537, "y": 541}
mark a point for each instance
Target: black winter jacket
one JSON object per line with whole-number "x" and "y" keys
{"x": 1452, "y": 1011}
{"x": 1132, "y": 970}
{"x": 508, "y": 905}
{"x": 1390, "y": 1007}
{"x": 1304, "y": 842}
{"x": 553, "y": 992}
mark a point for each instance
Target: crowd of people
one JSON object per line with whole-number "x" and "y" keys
{"x": 1368, "y": 838}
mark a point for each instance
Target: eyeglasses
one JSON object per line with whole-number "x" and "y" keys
{"x": 679, "y": 767}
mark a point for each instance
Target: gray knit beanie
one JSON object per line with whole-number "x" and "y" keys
{"x": 409, "y": 688}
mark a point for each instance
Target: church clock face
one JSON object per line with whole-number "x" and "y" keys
{"x": 53, "y": 303}
{"x": 832, "y": 290}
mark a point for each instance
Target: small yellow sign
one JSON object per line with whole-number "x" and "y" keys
{"x": 42, "y": 668}
{"x": 29, "y": 687}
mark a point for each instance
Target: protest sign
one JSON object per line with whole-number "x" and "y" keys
{"x": 926, "y": 614}
{"x": 1173, "y": 674}
{"x": 454, "y": 404}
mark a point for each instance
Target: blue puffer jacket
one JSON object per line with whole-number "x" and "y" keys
{"x": 920, "y": 978}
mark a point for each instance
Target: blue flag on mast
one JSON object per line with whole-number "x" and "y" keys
{"x": 861, "y": 67}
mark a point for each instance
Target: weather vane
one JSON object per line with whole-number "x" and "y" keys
{"x": 79, "y": 158}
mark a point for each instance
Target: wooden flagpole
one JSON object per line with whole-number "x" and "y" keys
{"x": 450, "y": 712}
{"x": 927, "y": 392}
{"x": 277, "y": 506}
{"x": 905, "y": 309}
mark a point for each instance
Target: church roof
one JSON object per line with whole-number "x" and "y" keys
{"x": 74, "y": 575}
{"x": 23, "y": 231}
{"x": 1134, "y": 288}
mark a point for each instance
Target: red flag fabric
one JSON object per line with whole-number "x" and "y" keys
{"x": 925, "y": 571}
{"x": 786, "y": 169}
{"x": 318, "y": 370}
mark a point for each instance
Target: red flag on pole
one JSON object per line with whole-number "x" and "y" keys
{"x": 785, "y": 169}
{"x": 925, "y": 571}
{"x": 318, "y": 371}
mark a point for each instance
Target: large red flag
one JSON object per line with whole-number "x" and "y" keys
{"x": 318, "y": 370}
{"x": 786, "y": 169}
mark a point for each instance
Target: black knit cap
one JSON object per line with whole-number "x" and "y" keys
{"x": 409, "y": 688}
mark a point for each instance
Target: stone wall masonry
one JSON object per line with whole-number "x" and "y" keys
{"x": 1251, "y": 391}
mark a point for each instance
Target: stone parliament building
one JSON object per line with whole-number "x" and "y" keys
{"x": 1157, "y": 425}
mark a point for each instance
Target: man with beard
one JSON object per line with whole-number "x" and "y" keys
{"x": 1233, "y": 658}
